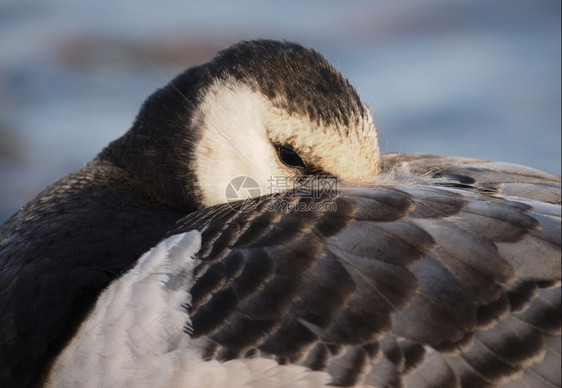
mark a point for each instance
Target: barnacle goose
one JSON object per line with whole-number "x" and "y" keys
{"x": 339, "y": 265}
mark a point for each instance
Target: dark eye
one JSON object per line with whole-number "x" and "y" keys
{"x": 289, "y": 157}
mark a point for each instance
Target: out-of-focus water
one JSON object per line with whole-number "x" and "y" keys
{"x": 478, "y": 78}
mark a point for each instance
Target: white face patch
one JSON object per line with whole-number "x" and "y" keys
{"x": 234, "y": 142}
{"x": 241, "y": 128}
{"x": 349, "y": 153}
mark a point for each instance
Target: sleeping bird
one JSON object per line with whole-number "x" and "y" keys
{"x": 247, "y": 232}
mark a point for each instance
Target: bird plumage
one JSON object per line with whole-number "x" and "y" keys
{"x": 418, "y": 270}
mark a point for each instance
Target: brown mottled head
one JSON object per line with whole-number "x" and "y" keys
{"x": 298, "y": 80}
{"x": 263, "y": 109}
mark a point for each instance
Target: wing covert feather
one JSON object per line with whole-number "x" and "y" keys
{"x": 443, "y": 283}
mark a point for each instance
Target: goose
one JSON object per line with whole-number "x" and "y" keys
{"x": 247, "y": 232}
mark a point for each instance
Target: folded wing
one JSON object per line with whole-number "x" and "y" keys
{"x": 448, "y": 278}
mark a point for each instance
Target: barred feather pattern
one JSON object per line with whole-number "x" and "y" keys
{"x": 453, "y": 280}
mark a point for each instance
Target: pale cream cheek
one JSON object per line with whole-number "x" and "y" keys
{"x": 239, "y": 129}
{"x": 234, "y": 143}
{"x": 352, "y": 158}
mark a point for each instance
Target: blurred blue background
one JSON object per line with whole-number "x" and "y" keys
{"x": 468, "y": 78}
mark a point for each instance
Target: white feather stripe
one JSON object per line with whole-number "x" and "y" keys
{"x": 135, "y": 335}
{"x": 135, "y": 321}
